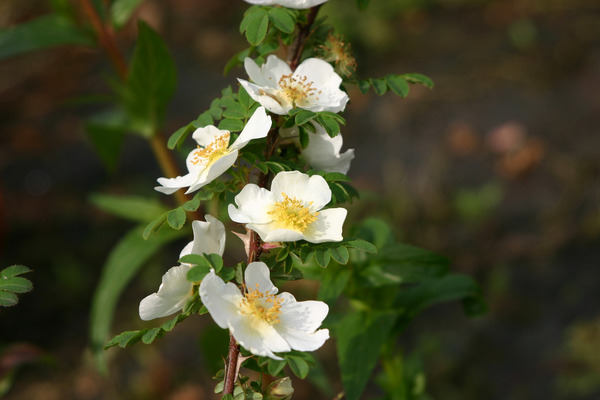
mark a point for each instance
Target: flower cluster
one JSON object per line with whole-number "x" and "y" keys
{"x": 295, "y": 207}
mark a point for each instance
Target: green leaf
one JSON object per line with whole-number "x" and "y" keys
{"x": 255, "y": 25}
{"x": 150, "y": 82}
{"x": 336, "y": 177}
{"x": 195, "y": 259}
{"x": 15, "y": 284}
{"x": 231, "y": 125}
{"x": 330, "y": 125}
{"x": 216, "y": 261}
{"x": 192, "y": 205}
{"x": 121, "y": 11}
{"x": 177, "y": 138}
{"x": 363, "y": 85}
{"x": 340, "y": 254}
{"x": 8, "y": 299}
{"x": 303, "y": 137}
{"x": 362, "y": 245}
{"x": 123, "y": 262}
{"x": 14, "y": 270}
{"x": 274, "y": 367}
{"x": 418, "y": 78}
{"x": 360, "y": 336}
{"x": 379, "y": 85}
{"x": 149, "y": 336}
{"x": 362, "y": 4}
{"x": 106, "y": 137}
{"x": 235, "y": 111}
{"x": 135, "y": 208}
{"x": 333, "y": 283}
{"x": 244, "y": 98}
{"x": 42, "y": 32}
{"x": 397, "y": 85}
{"x": 298, "y": 366}
{"x": 176, "y": 218}
{"x": 304, "y": 116}
{"x": 155, "y": 225}
{"x": 283, "y": 19}
{"x": 322, "y": 257}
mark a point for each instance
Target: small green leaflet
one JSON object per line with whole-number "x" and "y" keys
{"x": 11, "y": 284}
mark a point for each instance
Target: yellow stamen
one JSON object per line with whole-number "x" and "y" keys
{"x": 215, "y": 150}
{"x": 296, "y": 89}
{"x": 292, "y": 214}
{"x": 263, "y": 305}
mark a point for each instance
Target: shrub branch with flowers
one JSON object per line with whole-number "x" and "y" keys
{"x": 268, "y": 159}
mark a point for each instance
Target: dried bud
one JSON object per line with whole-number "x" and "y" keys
{"x": 335, "y": 50}
{"x": 280, "y": 390}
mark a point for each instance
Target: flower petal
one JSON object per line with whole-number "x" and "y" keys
{"x": 257, "y": 127}
{"x": 171, "y": 185}
{"x": 259, "y": 94}
{"x": 214, "y": 170}
{"x": 171, "y": 296}
{"x": 327, "y": 227}
{"x": 303, "y": 187}
{"x": 270, "y": 233}
{"x": 257, "y": 275}
{"x": 209, "y": 237}
{"x": 254, "y": 203}
{"x": 323, "y": 152}
{"x": 257, "y": 336}
{"x": 204, "y": 136}
{"x": 221, "y": 299}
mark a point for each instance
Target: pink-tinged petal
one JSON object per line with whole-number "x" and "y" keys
{"x": 172, "y": 295}
{"x": 204, "y": 136}
{"x": 253, "y": 203}
{"x": 257, "y": 276}
{"x": 327, "y": 227}
{"x": 257, "y": 127}
{"x": 303, "y": 187}
{"x": 221, "y": 299}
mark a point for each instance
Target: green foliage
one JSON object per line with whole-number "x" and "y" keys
{"x": 150, "y": 82}
{"x": 255, "y": 24}
{"x": 106, "y": 132}
{"x": 40, "y": 33}
{"x": 135, "y": 208}
{"x": 148, "y": 335}
{"x": 257, "y": 20}
{"x": 397, "y": 83}
{"x": 121, "y": 11}
{"x": 123, "y": 262}
{"x": 12, "y": 284}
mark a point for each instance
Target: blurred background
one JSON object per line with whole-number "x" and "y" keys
{"x": 497, "y": 168}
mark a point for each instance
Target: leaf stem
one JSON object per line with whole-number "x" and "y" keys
{"x": 107, "y": 41}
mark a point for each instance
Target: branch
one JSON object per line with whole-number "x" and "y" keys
{"x": 295, "y": 51}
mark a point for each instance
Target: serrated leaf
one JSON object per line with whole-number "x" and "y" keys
{"x": 216, "y": 261}
{"x": 195, "y": 259}
{"x": 283, "y": 19}
{"x": 123, "y": 262}
{"x": 330, "y": 125}
{"x": 379, "y": 85}
{"x": 154, "y": 225}
{"x": 244, "y": 98}
{"x": 8, "y": 299}
{"x": 398, "y": 85}
{"x": 42, "y": 32}
{"x": 340, "y": 254}
{"x": 418, "y": 78}
{"x": 14, "y": 270}
{"x": 337, "y": 117}
{"x": 149, "y": 336}
{"x": 363, "y": 85}
{"x": 231, "y": 125}
{"x": 135, "y": 208}
{"x": 197, "y": 273}
{"x": 255, "y": 25}
{"x": 363, "y": 245}
{"x": 298, "y": 366}
{"x": 336, "y": 177}
{"x": 176, "y": 218}
{"x": 150, "y": 82}
{"x": 304, "y": 116}
{"x": 125, "y": 339}
{"x": 15, "y": 284}
{"x": 322, "y": 257}
{"x": 235, "y": 111}
{"x": 192, "y": 205}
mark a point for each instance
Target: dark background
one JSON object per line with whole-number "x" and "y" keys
{"x": 497, "y": 168}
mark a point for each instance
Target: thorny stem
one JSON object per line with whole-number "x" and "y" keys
{"x": 295, "y": 50}
{"x": 107, "y": 41}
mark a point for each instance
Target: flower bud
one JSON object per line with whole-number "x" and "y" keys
{"x": 281, "y": 389}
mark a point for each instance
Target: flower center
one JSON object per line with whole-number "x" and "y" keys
{"x": 297, "y": 89}
{"x": 215, "y": 150}
{"x": 292, "y": 214}
{"x": 262, "y": 305}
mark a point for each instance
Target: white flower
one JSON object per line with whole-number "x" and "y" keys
{"x": 314, "y": 86}
{"x": 323, "y": 151}
{"x": 214, "y": 155}
{"x": 291, "y": 210}
{"x": 175, "y": 289}
{"x": 288, "y": 3}
{"x": 260, "y": 320}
